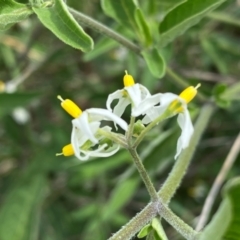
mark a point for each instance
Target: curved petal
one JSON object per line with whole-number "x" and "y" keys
{"x": 145, "y": 105}
{"x": 78, "y": 138}
{"x": 144, "y": 92}
{"x": 185, "y": 123}
{"x": 121, "y": 106}
{"x": 152, "y": 114}
{"x": 134, "y": 93}
{"x": 74, "y": 142}
{"x": 116, "y": 95}
{"x": 107, "y": 115}
{"x": 83, "y": 124}
{"x": 101, "y": 152}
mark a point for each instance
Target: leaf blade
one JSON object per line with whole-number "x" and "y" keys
{"x": 58, "y": 20}
{"x": 185, "y": 16}
{"x": 155, "y": 62}
{"x": 12, "y": 12}
{"x": 228, "y": 213}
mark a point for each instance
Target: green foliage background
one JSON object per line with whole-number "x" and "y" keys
{"x": 46, "y": 197}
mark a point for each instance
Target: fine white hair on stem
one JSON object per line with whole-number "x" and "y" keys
{"x": 231, "y": 157}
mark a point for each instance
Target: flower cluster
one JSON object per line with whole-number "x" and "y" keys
{"x": 90, "y": 139}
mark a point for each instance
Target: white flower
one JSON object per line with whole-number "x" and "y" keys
{"x": 175, "y": 105}
{"x": 86, "y": 135}
{"x": 133, "y": 93}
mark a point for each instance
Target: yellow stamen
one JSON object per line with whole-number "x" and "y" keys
{"x": 66, "y": 151}
{"x": 128, "y": 80}
{"x": 189, "y": 93}
{"x": 70, "y": 107}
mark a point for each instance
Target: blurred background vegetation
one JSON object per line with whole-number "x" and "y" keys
{"x": 44, "y": 197}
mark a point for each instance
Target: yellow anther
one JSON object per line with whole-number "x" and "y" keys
{"x": 66, "y": 151}
{"x": 189, "y": 93}
{"x": 70, "y": 107}
{"x": 128, "y": 80}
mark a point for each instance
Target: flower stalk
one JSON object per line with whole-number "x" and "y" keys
{"x": 165, "y": 115}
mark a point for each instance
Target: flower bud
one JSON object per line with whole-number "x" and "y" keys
{"x": 138, "y": 128}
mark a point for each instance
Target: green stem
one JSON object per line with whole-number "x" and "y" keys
{"x": 117, "y": 138}
{"x": 144, "y": 175}
{"x": 176, "y": 222}
{"x": 136, "y": 223}
{"x": 95, "y": 25}
{"x": 130, "y": 130}
{"x": 146, "y": 215}
{"x": 165, "y": 115}
{"x": 181, "y": 165}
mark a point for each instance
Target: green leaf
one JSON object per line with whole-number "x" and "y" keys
{"x": 143, "y": 27}
{"x": 155, "y": 62}
{"x": 157, "y": 226}
{"x": 144, "y": 231}
{"x": 169, "y": 5}
{"x": 64, "y": 26}
{"x": 20, "y": 212}
{"x": 225, "y": 223}
{"x": 120, "y": 196}
{"x": 184, "y": 16}
{"x": 122, "y": 11}
{"x": 215, "y": 229}
{"x": 12, "y": 12}
{"x": 232, "y": 189}
{"x": 11, "y": 100}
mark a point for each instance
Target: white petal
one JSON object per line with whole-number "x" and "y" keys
{"x": 134, "y": 93}
{"x": 144, "y": 92}
{"x": 100, "y": 152}
{"x": 116, "y": 95}
{"x": 107, "y": 115}
{"x": 78, "y": 138}
{"x": 152, "y": 112}
{"x": 185, "y": 123}
{"x": 121, "y": 106}
{"x": 147, "y": 104}
{"x": 82, "y": 123}
{"x": 74, "y": 142}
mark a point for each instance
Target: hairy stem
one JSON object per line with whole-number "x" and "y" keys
{"x": 181, "y": 165}
{"x": 130, "y": 130}
{"x": 144, "y": 175}
{"x": 97, "y": 26}
{"x": 136, "y": 223}
{"x": 146, "y": 215}
{"x": 183, "y": 228}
